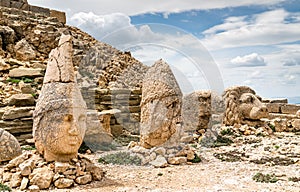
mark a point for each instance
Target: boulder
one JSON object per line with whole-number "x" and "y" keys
{"x": 60, "y": 114}
{"x": 9, "y": 146}
{"x": 160, "y": 105}
{"x": 24, "y": 51}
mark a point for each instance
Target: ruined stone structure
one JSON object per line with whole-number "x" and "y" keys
{"x": 243, "y": 106}
{"x": 60, "y": 114}
{"x": 9, "y": 146}
{"x": 196, "y": 111}
{"x": 160, "y": 106}
{"x": 283, "y": 116}
{"x": 23, "y": 5}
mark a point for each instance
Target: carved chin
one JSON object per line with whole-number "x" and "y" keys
{"x": 256, "y": 113}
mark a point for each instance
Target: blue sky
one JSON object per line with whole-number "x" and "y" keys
{"x": 209, "y": 44}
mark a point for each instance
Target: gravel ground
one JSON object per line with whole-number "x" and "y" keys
{"x": 252, "y": 155}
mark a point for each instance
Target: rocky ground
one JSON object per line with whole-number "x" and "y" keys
{"x": 274, "y": 159}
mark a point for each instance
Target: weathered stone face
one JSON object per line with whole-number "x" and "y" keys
{"x": 60, "y": 114}
{"x": 196, "y": 110}
{"x": 242, "y": 104}
{"x": 160, "y": 106}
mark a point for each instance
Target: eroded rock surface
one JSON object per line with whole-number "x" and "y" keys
{"x": 9, "y": 146}
{"x": 60, "y": 114}
{"x": 160, "y": 105}
{"x": 196, "y": 111}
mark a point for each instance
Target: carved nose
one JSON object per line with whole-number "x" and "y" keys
{"x": 264, "y": 109}
{"x": 73, "y": 129}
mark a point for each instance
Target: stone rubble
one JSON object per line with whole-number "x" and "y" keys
{"x": 30, "y": 170}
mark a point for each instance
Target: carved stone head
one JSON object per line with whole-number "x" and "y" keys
{"x": 60, "y": 114}
{"x": 242, "y": 105}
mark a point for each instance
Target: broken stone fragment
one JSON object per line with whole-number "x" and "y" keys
{"x": 24, "y": 51}
{"x": 42, "y": 177}
{"x": 9, "y": 146}
{"x": 160, "y": 105}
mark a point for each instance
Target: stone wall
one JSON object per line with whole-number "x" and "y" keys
{"x": 23, "y": 5}
{"x": 126, "y": 102}
{"x": 282, "y": 115}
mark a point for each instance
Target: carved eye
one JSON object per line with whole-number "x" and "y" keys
{"x": 250, "y": 99}
{"x": 68, "y": 118}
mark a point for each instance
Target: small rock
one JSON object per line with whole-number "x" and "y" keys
{"x": 34, "y": 188}
{"x": 16, "y": 180}
{"x": 61, "y": 167}
{"x": 159, "y": 162}
{"x": 24, "y": 183}
{"x": 41, "y": 177}
{"x": 177, "y": 160}
{"x": 62, "y": 183}
{"x": 85, "y": 179}
{"x": 97, "y": 172}
{"x": 26, "y": 167}
{"x": 160, "y": 151}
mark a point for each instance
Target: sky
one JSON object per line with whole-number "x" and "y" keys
{"x": 209, "y": 44}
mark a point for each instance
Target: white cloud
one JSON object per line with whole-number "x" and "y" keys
{"x": 251, "y": 60}
{"x": 135, "y": 7}
{"x": 268, "y": 28}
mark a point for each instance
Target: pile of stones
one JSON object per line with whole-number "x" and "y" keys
{"x": 31, "y": 171}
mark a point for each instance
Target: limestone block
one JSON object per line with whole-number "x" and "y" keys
{"x": 26, "y": 72}
{"x": 17, "y": 127}
{"x": 41, "y": 10}
{"x": 9, "y": 146}
{"x": 5, "y": 3}
{"x": 61, "y": 16}
{"x": 16, "y": 113}
{"x": 196, "y": 110}
{"x": 160, "y": 105}
{"x": 273, "y": 107}
{"x": 19, "y": 5}
{"x": 24, "y": 51}
{"x": 275, "y": 100}
{"x": 290, "y": 109}
{"x": 21, "y": 100}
